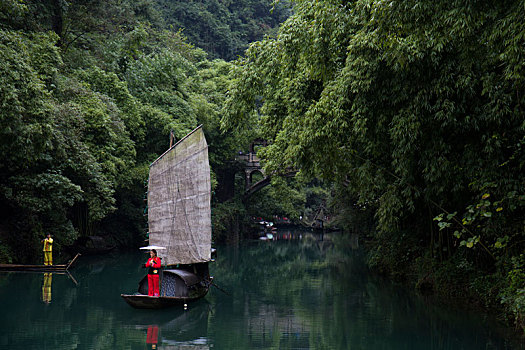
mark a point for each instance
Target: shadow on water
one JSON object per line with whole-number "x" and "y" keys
{"x": 300, "y": 291}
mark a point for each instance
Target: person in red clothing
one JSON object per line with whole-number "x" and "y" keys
{"x": 153, "y": 273}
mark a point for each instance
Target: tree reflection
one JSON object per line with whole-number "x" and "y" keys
{"x": 285, "y": 289}
{"x": 302, "y": 293}
{"x": 310, "y": 293}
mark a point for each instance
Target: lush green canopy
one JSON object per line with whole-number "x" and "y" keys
{"x": 405, "y": 114}
{"x": 223, "y": 28}
{"x": 414, "y": 108}
{"x": 90, "y": 91}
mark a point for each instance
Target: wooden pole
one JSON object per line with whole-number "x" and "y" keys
{"x": 72, "y": 261}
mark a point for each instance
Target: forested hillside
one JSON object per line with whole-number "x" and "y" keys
{"x": 415, "y": 109}
{"x": 89, "y": 92}
{"x": 224, "y": 29}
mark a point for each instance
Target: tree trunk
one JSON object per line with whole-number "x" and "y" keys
{"x": 57, "y": 19}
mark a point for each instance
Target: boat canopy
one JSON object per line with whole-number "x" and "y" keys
{"x": 189, "y": 278}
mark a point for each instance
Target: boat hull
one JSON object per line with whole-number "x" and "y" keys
{"x": 141, "y": 301}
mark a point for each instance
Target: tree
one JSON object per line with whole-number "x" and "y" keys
{"x": 224, "y": 28}
{"x": 416, "y": 107}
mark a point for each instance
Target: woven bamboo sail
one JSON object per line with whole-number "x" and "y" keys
{"x": 179, "y": 194}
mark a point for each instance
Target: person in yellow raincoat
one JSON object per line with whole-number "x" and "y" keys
{"x": 48, "y": 250}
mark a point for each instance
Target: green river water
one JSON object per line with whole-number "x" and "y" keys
{"x": 297, "y": 292}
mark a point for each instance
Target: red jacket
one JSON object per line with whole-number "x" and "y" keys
{"x": 154, "y": 265}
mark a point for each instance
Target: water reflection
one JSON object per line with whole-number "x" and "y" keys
{"x": 46, "y": 287}
{"x": 304, "y": 291}
{"x": 152, "y": 336}
{"x": 309, "y": 291}
{"x": 174, "y": 329}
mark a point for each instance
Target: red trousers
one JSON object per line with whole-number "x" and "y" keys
{"x": 153, "y": 285}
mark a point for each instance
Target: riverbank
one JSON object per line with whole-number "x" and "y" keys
{"x": 454, "y": 279}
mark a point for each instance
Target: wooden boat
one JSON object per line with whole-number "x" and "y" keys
{"x": 38, "y": 268}
{"x": 179, "y": 223}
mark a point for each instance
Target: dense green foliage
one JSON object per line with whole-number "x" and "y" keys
{"x": 223, "y": 28}
{"x": 89, "y": 92}
{"x": 415, "y": 109}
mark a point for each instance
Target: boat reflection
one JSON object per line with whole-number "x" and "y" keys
{"x": 186, "y": 329}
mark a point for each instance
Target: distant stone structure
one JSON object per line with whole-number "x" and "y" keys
{"x": 247, "y": 163}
